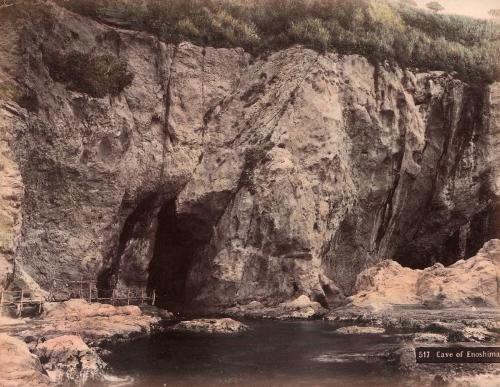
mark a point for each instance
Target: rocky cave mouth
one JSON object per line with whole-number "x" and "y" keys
{"x": 463, "y": 243}
{"x": 174, "y": 251}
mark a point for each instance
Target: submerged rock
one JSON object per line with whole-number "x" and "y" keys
{"x": 67, "y": 359}
{"x": 300, "y": 308}
{"x": 472, "y": 334}
{"x": 426, "y": 325}
{"x": 430, "y": 338}
{"x": 18, "y": 367}
{"x": 357, "y": 330}
{"x": 215, "y": 325}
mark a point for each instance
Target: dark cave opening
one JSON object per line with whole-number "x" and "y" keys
{"x": 462, "y": 243}
{"x": 174, "y": 250}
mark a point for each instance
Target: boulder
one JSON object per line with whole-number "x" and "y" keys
{"x": 430, "y": 338}
{"x": 67, "y": 359}
{"x": 18, "y": 367}
{"x": 358, "y": 330}
{"x": 466, "y": 283}
{"x": 94, "y": 323}
{"x": 299, "y": 308}
{"x": 79, "y": 308}
{"x": 404, "y": 358}
{"x": 472, "y": 334}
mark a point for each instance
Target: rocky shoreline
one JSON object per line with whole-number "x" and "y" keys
{"x": 64, "y": 345}
{"x": 291, "y": 185}
{"x": 424, "y": 307}
{"x": 68, "y": 342}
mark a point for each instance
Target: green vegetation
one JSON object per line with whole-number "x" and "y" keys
{"x": 377, "y": 29}
{"x": 96, "y": 75}
{"x": 435, "y": 6}
{"x": 494, "y": 13}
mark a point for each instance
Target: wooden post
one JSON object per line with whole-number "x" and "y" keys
{"x": 154, "y": 297}
{"x": 22, "y": 300}
{"x": 1, "y": 302}
{"x": 128, "y": 296}
{"x": 142, "y": 296}
{"x": 113, "y": 297}
{"x": 90, "y": 292}
{"x": 81, "y": 287}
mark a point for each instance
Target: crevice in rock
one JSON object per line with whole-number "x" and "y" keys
{"x": 176, "y": 246}
{"x": 167, "y": 134}
{"x": 387, "y": 206}
{"x": 203, "y": 104}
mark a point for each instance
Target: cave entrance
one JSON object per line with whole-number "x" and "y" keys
{"x": 174, "y": 250}
{"x": 463, "y": 243}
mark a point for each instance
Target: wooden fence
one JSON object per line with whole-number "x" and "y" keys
{"x": 18, "y": 300}
{"x": 61, "y": 290}
{"x": 65, "y": 290}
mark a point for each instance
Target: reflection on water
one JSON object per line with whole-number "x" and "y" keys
{"x": 271, "y": 354}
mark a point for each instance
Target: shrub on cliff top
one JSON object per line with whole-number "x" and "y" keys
{"x": 96, "y": 75}
{"x": 377, "y": 29}
{"x": 312, "y": 32}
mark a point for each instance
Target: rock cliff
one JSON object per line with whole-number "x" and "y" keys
{"x": 467, "y": 283}
{"x": 218, "y": 178}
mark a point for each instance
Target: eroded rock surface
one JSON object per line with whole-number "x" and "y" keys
{"x": 300, "y": 308}
{"x": 94, "y": 323}
{"x": 18, "y": 367}
{"x": 66, "y": 341}
{"x": 430, "y": 338}
{"x": 472, "y": 282}
{"x": 67, "y": 359}
{"x": 219, "y": 178}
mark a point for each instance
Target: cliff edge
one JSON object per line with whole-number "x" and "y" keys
{"x": 217, "y": 177}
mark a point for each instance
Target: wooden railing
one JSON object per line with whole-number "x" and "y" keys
{"x": 130, "y": 296}
{"x": 61, "y": 290}
{"x": 64, "y": 290}
{"x": 18, "y": 299}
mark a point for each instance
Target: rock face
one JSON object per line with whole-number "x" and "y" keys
{"x": 473, "y": 282}
{"x": 11, "y": 196}
{"x": 94, "y": 323}
{"x": 18, "y": 366}
{"x": 67, "y": 359}
{"x": 216, "y": 177}
{"x": 65, "y": 342}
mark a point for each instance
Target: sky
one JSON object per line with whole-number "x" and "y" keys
{"x": 475, "y": 8}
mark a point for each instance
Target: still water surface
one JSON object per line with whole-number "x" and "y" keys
{"x": 271, "y": 354}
